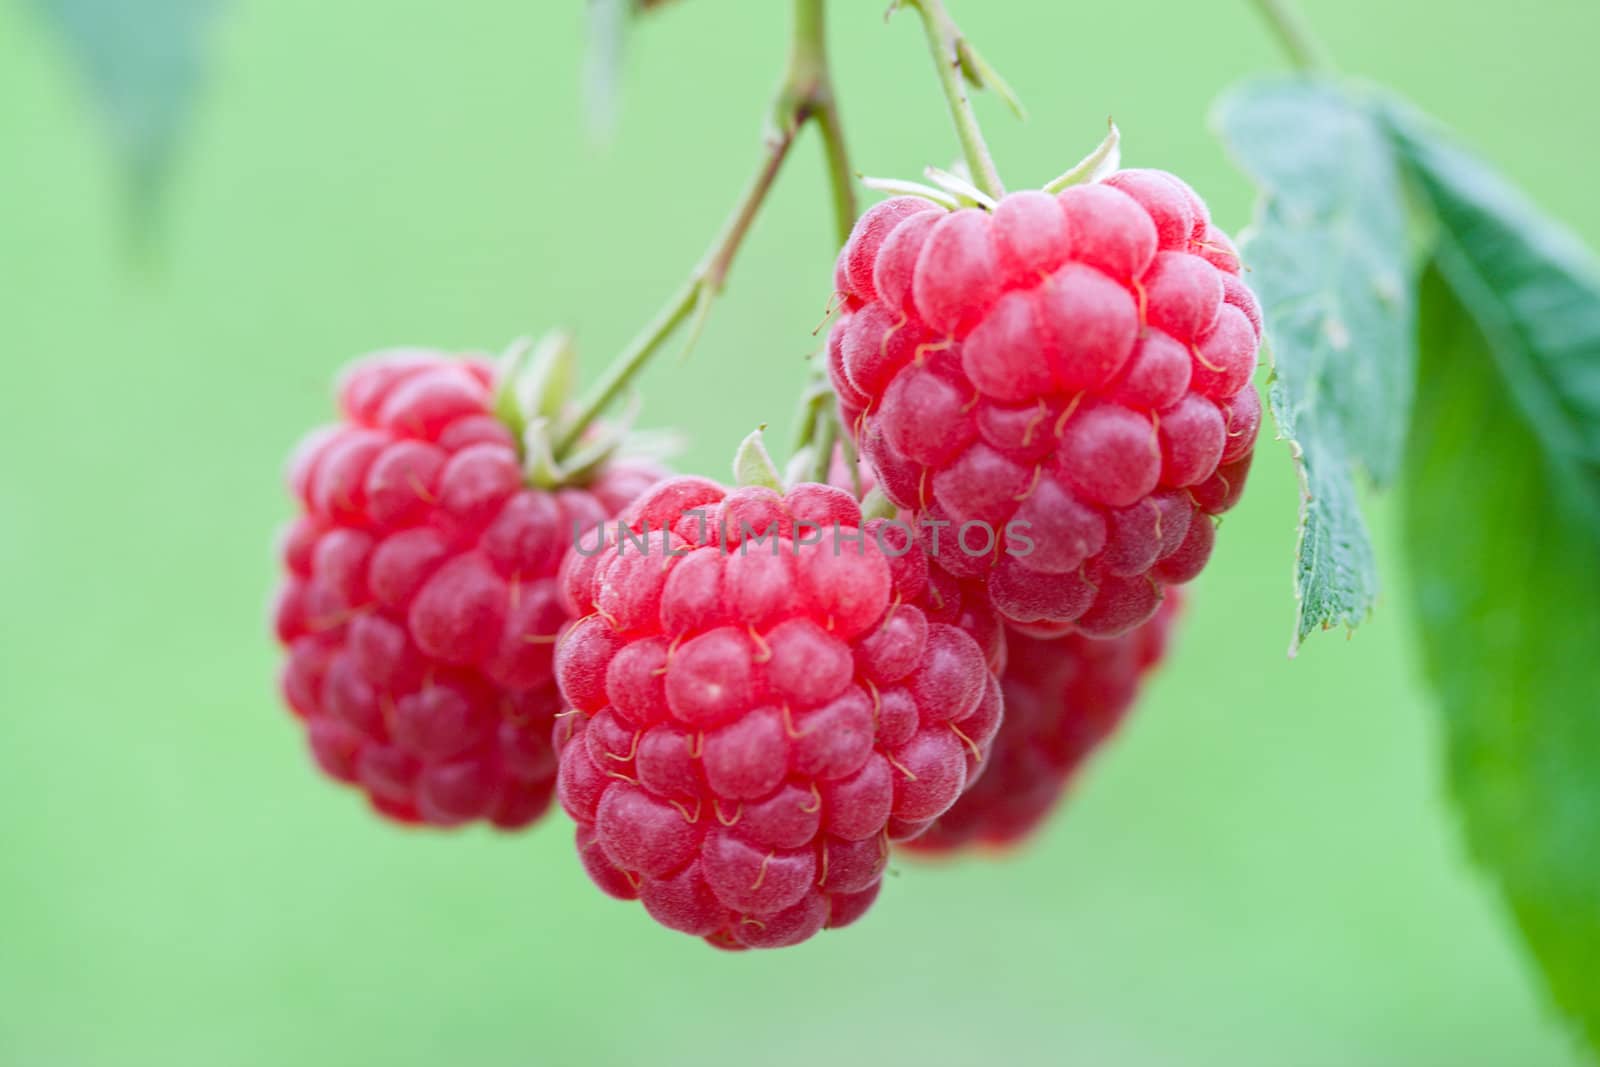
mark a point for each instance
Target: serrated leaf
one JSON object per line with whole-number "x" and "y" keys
{"x": 1532, "y": 287}
{"x": 1507, "y": 588}
{"x": 143, "y": 64}
{"x": 1329, "y": 261}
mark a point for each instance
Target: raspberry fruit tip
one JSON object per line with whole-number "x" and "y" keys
{"x": 418, "y": 607}
{"x": 1070, "y": 371}
{"x": 767, "y": 689}
{"x": 1064, "y": 697}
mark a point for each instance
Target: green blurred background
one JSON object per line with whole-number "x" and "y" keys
{"x": 1261, "y": 870}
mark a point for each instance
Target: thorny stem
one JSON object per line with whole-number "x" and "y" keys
{"x": 806, "y": 93}
{"x": 1293, "y": 34}
{"x": 946, "y": 43}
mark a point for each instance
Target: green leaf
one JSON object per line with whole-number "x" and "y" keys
{"x": 143, "y": 64}
{"x": 1505, "y": 568}
{"x": 1503, "y": 531}
{"x": 1532, "y": 287}
{"x": 1328, "y": 258}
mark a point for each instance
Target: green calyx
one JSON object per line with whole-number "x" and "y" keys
{"x": 1096, "y": 166}
{"x": 753, "y": 465}
{"x": 533, "y": 391}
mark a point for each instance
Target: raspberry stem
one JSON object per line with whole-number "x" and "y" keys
{"x": 952, "y": 57}
{"x": 1299, "y": 44}
{"x": 820, "y": 433}
{"x": 805, "y": 94}
{"x": 809, "y": 70}
{"x": 825, "y": 437}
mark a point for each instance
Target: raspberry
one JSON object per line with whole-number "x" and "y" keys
{"x": 1073, "y": 368}
{"x": 1063, "y": 696}
{"x": 419, "y": 605}
{"x": 767, "y": 690}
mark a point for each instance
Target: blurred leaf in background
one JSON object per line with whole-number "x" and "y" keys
{"x": 1503, "y": 528}
{"x": 605, "y": 40}
{"x": 602, "y": 64}
{"x": 1534, "y": 290}
{"x": 1506, "y": 593}
{"x": 143, "y": 63}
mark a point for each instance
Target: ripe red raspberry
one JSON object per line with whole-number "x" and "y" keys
{"x": 766, "y": 696}
{"x": 1063, "y": 696}
{"x": 419, "y": 604}
{"x": 1080, "y": 363}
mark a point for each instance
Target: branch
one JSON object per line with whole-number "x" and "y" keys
{"x": 806, "y": 93}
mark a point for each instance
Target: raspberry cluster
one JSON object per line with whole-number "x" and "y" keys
{"x": 1063, "y": 697}
{"x": 743, "y": 696}
{"x": 768, "y": 691}
{"x": 1075, "y": 367}
{"x": 419, "y": 605}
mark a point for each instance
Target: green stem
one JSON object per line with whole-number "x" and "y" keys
{"x": 841, "y": 179}
{"x": 713, "y": 271}
{"x": 946, "y": 42}
{"x": 627, "y": 364}
{"x": 824, "y": 437}
{"x": 822, "y": 427}
{"x": 810, "y": 95}
{"x": 805, "y": 93}
{"x": 1293, "y": 34}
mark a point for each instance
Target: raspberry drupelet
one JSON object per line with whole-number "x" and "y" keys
{"x": 418, "y": 607}
{"x": 1064, "y": 696}
{"x": 766, "y": 691}
{"x": 1078, "y": 362}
